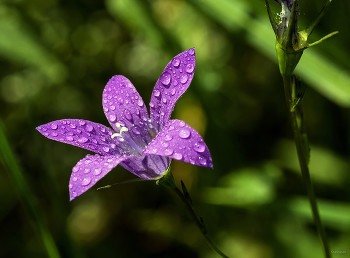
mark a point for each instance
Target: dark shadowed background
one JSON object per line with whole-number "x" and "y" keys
{"x": 55, "y": 59}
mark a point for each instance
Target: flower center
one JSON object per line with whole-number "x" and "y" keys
{"x": 123, "y": 136}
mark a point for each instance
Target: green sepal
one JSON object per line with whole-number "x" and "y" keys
{"x": 167, "y": 179}
{"x": 287, "y": 59}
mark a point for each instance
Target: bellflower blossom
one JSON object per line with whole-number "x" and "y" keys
{"x": 141, "y": 144}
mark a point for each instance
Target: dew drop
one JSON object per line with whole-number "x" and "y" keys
{"x": 69, "y": 138}
{"x": 164, "y": 100}
{"x": 83, "y": 140}
{"x": 54, "y": 134}
{"x": 105, "y": 149}
{"x": 175, "y": 62}
{"x": 202, "y": 161}
{"x": 75, "y": 169}
{"x": 89, "y": 128}
{"x": 177, "y": 156}
{"x": 75, "y": 179}
{"x": 151, "y": 104}
{"x": 184, "y": 133}
{"x": 120, "y": 101}
{"x": 82, "y": 122}
{"x": 182, "y": 123}
{"x": 168, "y": 137}
{"x": 165, "y": 144}
{"x": 112, "y": 108}
{"x": 191, "y": 51}
{"x": 72, "y": 126}
{"x": 157, "y": 93}
{"x": 87, "y": 162}
{"x": 97, "y": 171}
{"x": 136, "y": 130}
{"x": 165, "y": 78}
{"x": 53, "y": 126}
{"x": 70, "y": 186}
{"x": 189, "y": 68}
{"x": 86, "y": 170}
{"x": 183, "y": 78}
{"x": 127, "y": 114}
{"x": 173, "y": 91}
{"x": 86, "y": 181}
{"x": 199, "y": 147}
{"x": 112, "y": 118}
{"x": 140, "y": 103}
{"x": 168, "y": 152}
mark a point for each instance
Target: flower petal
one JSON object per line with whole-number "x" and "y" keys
{"x": 89, "y": 170}
{"x": 123, "y": 104}
{"x": 147, "y": 166}
{"x": 82, "y": 133}
{"x": 173, "y": 82}
{"x": 179, "y": 141}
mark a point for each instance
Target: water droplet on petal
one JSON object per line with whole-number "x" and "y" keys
{"x": 54, "y": 134}
{"x": 191, "y": 51}
{"x": 127, "y": 115}
{"x": 73, "y": 126}
{"x": 86, "y": 170}
{"x": 184, "y": 133}
{"x": 151, "y": 104}
{"x": 199, "y": 147}
{"x": 70, "y": 186}
{"x": 175, "y": 62}
{"x": 75, "y": 179}
{"x": 112, "y": 108}
{"x": 202, "y": 161}
{"x": 189, "y": 68}
{"x": 53, "y": 126}
{"x": 89, "y": 128}
{"x": 112, "y": 118}
{"x": 183, "y": 78}
{"x": 182, "y": 123}
{"x": 75, "y": 169}
{"x": 140, "y": 103}
{"x": 168, "y": 152}
{"x": 105, "y": 149}
{"x": 173, "y": 91}
{"x": 97, "y": 171}
{"x": 69, "y": 138}
{"x": 87, "y": 162}
{"x": 120, "y": 101}
{"x": 156, "y": 93}
{"x": 177, "y": 156}
{"x": 83, "y": 140}
{"x": 165, "y": 144}
{"x": 164, "y": 100}
{"x": 136, "y": 130}
{"x": 82, "y": 122}
{"x": 86, "y": 181}
{"x": 168, "y": 137}
{"x": 165, "y": 78}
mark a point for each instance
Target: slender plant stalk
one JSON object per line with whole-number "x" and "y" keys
{"x": 168, "y": 181}
{"x": 10, "y": 163}
{"x": 296, "y": 116}
{"x": 199, "y": 221}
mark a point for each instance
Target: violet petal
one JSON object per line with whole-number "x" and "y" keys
{"x": 89, "y": 170}
{"x": 179, "y": 141}
{"x": 147, "y": 166}
{"x": 123, "y": 104}
{"x": 82, "y": 133}
{"x": 172, "y": 83}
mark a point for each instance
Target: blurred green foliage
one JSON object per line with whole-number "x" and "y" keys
{"x": 55, "y": 59}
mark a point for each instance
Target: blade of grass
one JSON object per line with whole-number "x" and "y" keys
{"x": 10, "y": 163}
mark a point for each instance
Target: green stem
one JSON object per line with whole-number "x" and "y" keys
{"x": 295, "y": 112}
{"x": 168, "y": 181}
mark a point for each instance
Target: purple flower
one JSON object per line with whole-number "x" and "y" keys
{"x": 141, "y": 144}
